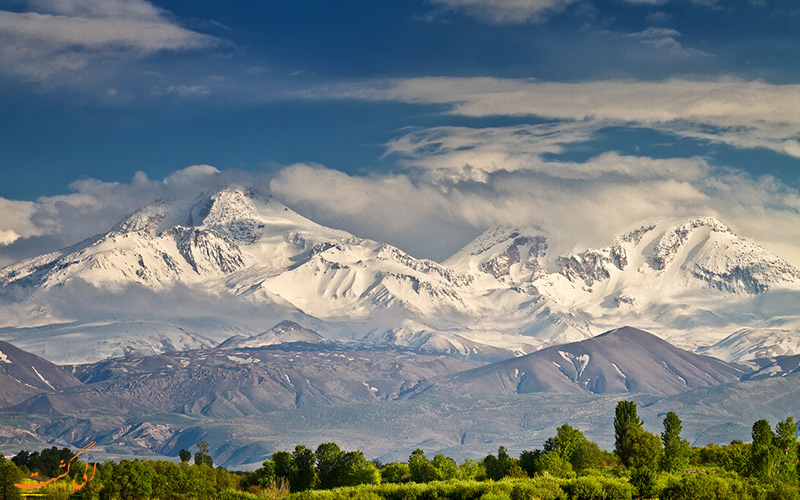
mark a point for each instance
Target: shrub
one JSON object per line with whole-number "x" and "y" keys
{"x": 231, "y": 494}
{"x": 644, "y": 480}
{"x": 585, "y": 488}
{"x": 706, "y": 487}
{"x": 495, "y": 495}
{"x": 616, "y": 489}
{"x": 783, "y": 491}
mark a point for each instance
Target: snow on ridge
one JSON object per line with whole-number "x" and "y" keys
{"x": 4, "y": 358}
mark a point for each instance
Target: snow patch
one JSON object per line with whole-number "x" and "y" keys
{"x": 582, "y": 360}
{"x": 42, "y": 378}
{"x": 619, "y": 371}
{"x": 4, "y": 358}
{"x": 241, "y": 361}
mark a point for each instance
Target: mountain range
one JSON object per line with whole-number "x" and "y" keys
{"x": 233, "y": 319}
{"x": 248, "y": 402}
{"x": 179, "y": 275}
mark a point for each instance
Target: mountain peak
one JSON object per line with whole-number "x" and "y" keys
{"x": 624, "y": 360}
{"x": 700, "y": 251}
{"x": 284, "y": 332}
{"x": 509, "y": 254}
{"x": 232, "y": 211}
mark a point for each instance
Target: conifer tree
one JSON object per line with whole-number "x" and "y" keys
{"x": 676, "y": 449}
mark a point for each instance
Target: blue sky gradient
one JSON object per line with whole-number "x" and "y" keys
{"x": 462, "y": 113}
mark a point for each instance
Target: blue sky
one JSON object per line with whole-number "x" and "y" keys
{"x": 419, "y": 123}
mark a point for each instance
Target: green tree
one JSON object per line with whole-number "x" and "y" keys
{"x": 554, "y": 464}
{"x": 763, "y": 454}
{"x": 572, "y": 446}
{"x": 529, "y": 461}
{"x": 785, "y": 442}
{"x": 284, "y": 466}
{"x": 645, "y": 481}
{"x": 786, "y": 434}
{"x": 356, "y": 470}
{"x": 304, "y": 469}
{"x": 202, "y": 457}
{"x": 565, "y": 442}
{"x": 676, "y": 449}
{"x": 625, "y": 418}
{"x": 445, "y": 467}
{"x": 9, "y": 474}
{"x": 499, "y": 467}
{"x": 395, "y": 472}
{"x": 468, "y": 468}
{"x": 587, "y": 455}
{"x": 420, "y": 467}
{"x": 134, "y": 479}
{"x": 201, "y": 482}
{"x": 640, "y": 448}
{"x": 185, "y": 455}
{"x": 265, "y": 476}
{"x": 167, "y": 478}
{"x": 735, "y": 457}
{"x": 329, "y": 465}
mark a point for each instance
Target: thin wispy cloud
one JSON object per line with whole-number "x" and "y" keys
{"x": 510, "y": 12}
{"x": 744, "y": 114}
{"x": 54, "y": 36}
{"x": 458, "y": 154}
{"x": 506, "y": 11}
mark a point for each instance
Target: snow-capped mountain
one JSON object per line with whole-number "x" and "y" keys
{"x": 511, "y": 256}
{"x": 181, "y": 275}
{"x": 751, "y": 343}
{"x": 282, "y": 333}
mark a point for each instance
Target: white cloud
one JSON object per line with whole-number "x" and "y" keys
{"x": 578, "y": 203}
{"x": 191, "y": 173}
{"x": 473, "y": 154}
{"x": 500, "y": 12}
{"x": 67, "y": 35}
{"x": 744, "y": 114}
{"x": 663, "y": 41}
{"x": 8, "y": 236}
{"x": 94, "y": 206}
{"x": 433, "y": 217}
{"x": 506, "y": 11}
{"x": 15, "y": 221}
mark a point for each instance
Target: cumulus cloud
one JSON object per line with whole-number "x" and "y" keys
{"x": 744, "y": 114}
{"x": 430, "y": 214}
{"x": 53, "y": 36}
{"x": 92, "y": 206}
{"x": 15, "y": 221}
{"x": 434, "y": 219}
{"x": 456, "y": 181}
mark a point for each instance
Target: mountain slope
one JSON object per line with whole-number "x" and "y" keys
{"x": 241, "y": 381}
{"x": 23, "y": 375}
{"x": 626, "y": 360}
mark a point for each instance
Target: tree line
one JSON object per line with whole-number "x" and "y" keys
{"x": 568, "y": 466}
